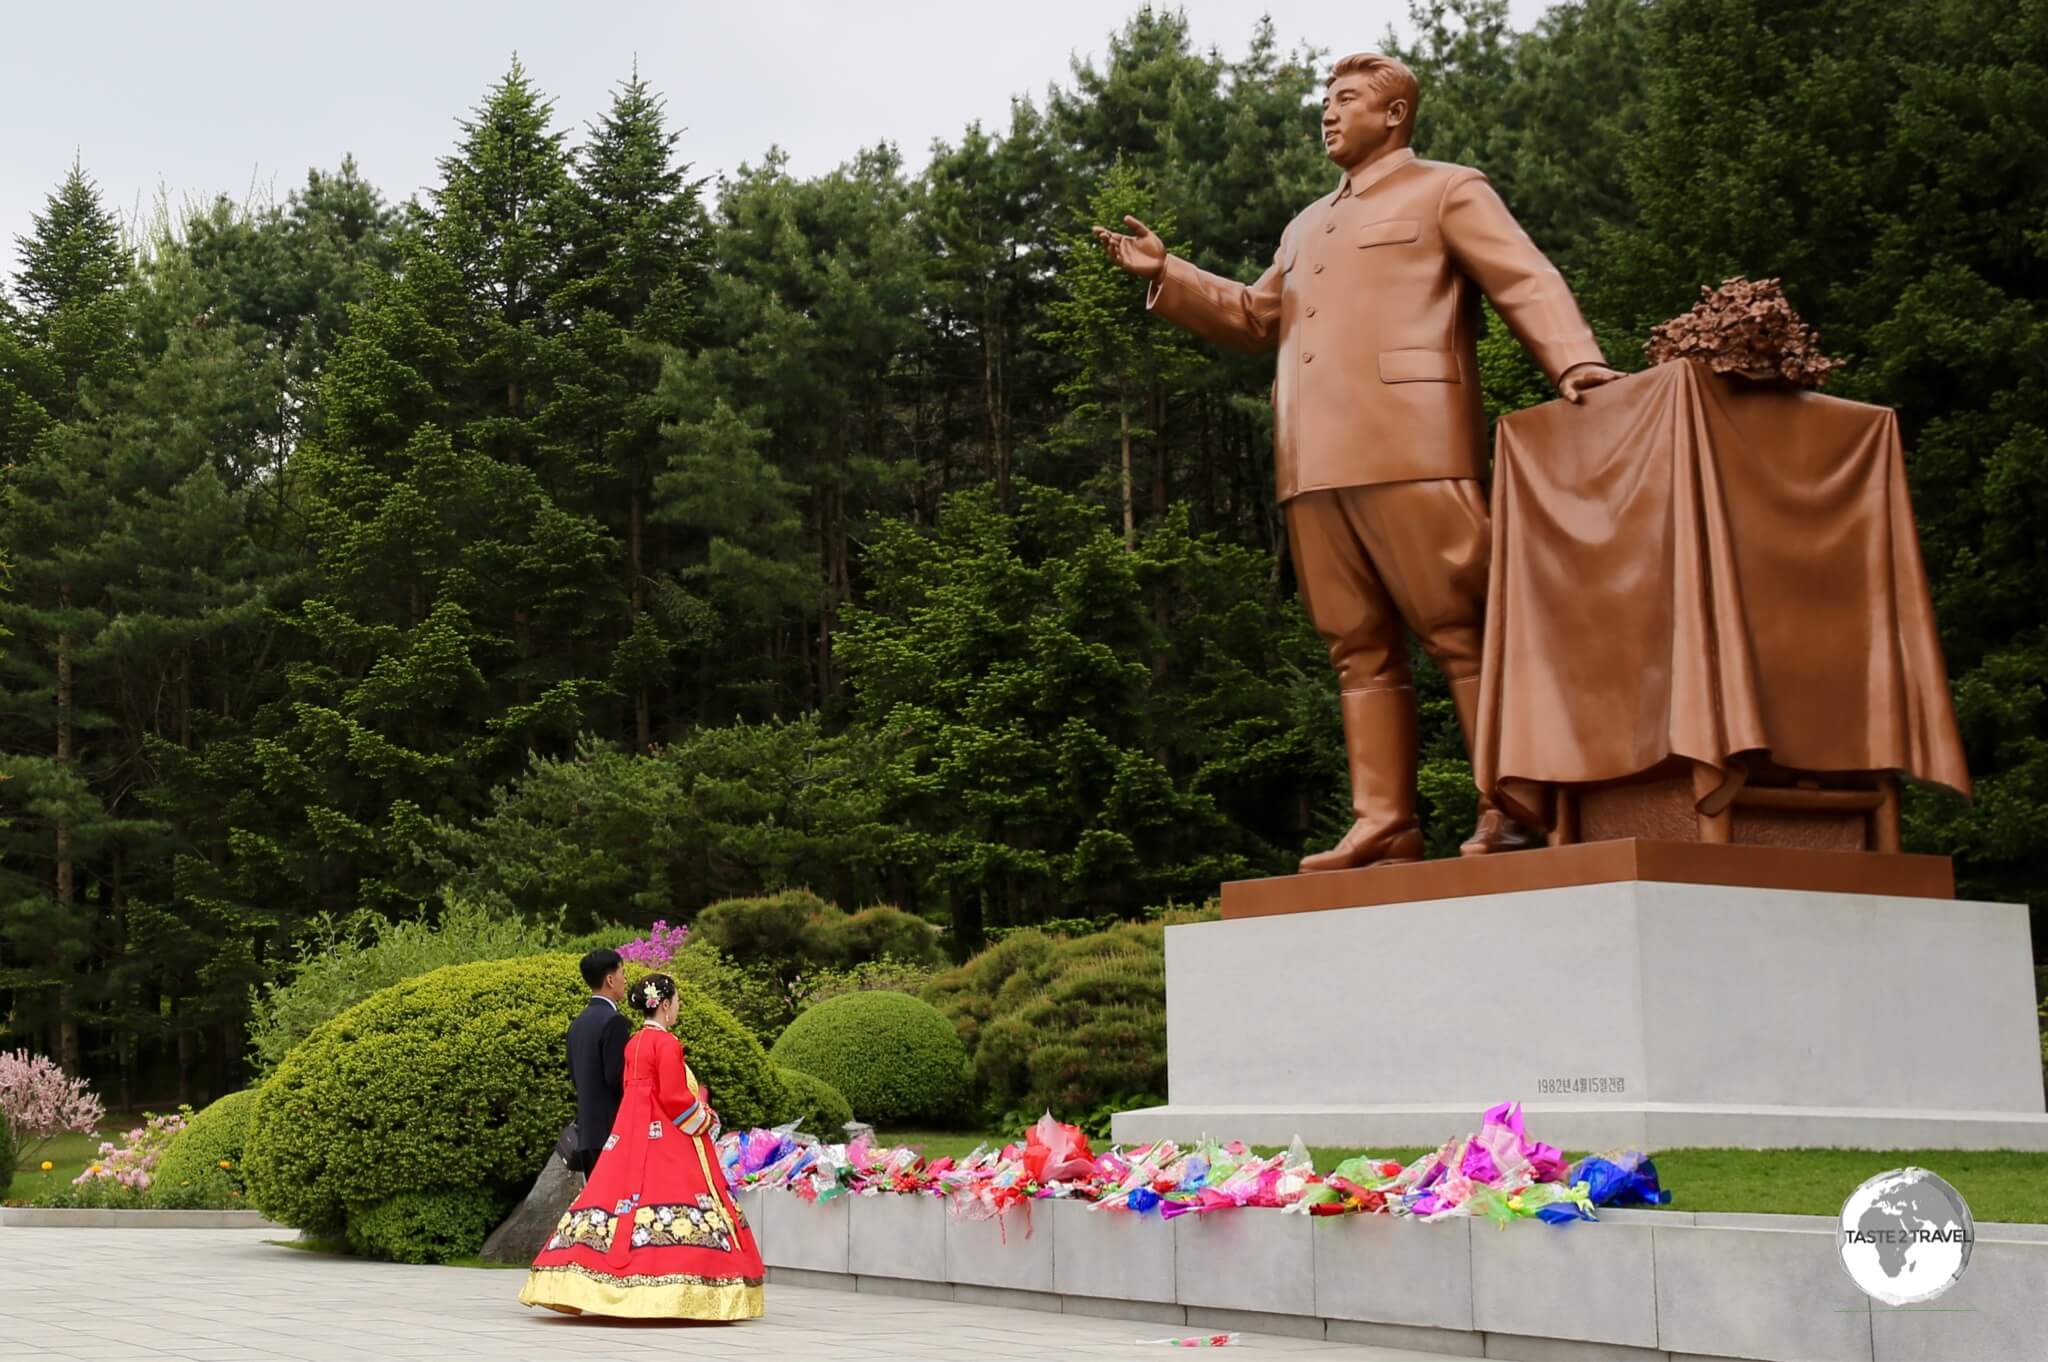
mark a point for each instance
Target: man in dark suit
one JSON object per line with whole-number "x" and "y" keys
{"x": 597, "y": 1056}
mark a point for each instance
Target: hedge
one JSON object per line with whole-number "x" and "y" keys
{"x": 430, "y": 1227}
{"x": 190, "y": 1173}
{"x": 1066, "y": 1026}
{"x": 822, "y": 1108}
{"x": 893, "y": 1057}
{"x": 453, "y": 1082}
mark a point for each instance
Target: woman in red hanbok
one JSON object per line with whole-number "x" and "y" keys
{"x": 656, "y": 1233}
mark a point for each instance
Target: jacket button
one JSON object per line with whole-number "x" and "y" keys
{"x": 1308, "y": 359}
{"x": 1329, "y": 226}
{"x": 1319, "y": 269}
{"x": 1311, "y": 312}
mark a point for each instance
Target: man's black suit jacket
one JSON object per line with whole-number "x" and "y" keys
{"x": 597, "y": 1065}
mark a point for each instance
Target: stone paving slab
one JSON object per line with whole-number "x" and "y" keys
{"x": 238, "y": 1296}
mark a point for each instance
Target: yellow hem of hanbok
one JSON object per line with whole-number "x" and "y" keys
{"x": 577, "y": 1291}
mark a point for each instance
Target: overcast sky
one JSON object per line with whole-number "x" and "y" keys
{"x": 210, "y": 96}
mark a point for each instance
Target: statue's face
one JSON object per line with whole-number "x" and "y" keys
{"x": 1357, "y": 121}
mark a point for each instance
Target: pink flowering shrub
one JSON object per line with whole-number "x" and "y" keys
{"x": 41, "y": 1102}
{"x": 134, "y": 1164}
{"x": 657, "y": 948}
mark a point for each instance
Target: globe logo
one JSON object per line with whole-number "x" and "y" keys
{"x": 1906, "y": 1236}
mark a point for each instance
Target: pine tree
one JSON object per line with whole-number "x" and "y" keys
{"x": 460, "y": 575}
{"x": 1126, "y": 363}
{"x": 820, "y": 302}
{"x": 72, "y": 340}
{"x": 632, "y": 281}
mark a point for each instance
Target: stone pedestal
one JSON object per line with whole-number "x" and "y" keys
{"x": 1633, "y": 1012}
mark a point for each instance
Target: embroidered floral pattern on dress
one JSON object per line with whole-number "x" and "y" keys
{"x": 590, "y": 1227}
{"x": 683, "y": 1226}
{"x": 654, "y": 1130}
{"x": 611, "y": 1141}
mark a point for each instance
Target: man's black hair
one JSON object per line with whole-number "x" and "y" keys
{"x": 598, "y": 967}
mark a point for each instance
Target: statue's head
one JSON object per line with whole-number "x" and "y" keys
{"x": 1368, "y": 104}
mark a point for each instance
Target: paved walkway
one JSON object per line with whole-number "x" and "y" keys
{"x": 232, "y": 1296}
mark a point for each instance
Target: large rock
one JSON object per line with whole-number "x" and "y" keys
{"x": 534, "y": 1219}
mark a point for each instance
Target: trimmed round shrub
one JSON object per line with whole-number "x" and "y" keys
{"x": 452, "y": 1081}
{"x": 190, "y": 1173}
{"x": 822, "y": 1108}
{"x": 429, "y": 1227}
{"x": 893, "y": 1057}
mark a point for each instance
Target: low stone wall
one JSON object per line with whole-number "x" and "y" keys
{"x": 1635, "y": 1285}
{"x": 53, "y": 1217}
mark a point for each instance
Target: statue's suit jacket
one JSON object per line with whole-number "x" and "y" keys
{"x": 1373, "y": 303}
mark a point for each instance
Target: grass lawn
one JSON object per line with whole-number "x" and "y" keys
{"x": 2000, "y": 1186}
{"x": 71, "y": 1153}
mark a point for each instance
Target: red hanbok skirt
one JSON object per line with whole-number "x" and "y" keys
{"x": 656, "y": 1234}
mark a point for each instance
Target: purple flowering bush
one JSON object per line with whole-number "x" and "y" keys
{"x": 658, "y": 948}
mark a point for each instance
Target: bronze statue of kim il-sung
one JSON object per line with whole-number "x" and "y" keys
{"x": 1378, "y": 437}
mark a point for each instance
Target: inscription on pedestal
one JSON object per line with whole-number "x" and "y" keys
{"x": 1582, "y": 1085}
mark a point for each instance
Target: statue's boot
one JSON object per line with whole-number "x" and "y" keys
{"x": 1379, "y": 747}
{"x": 1494, "y": 831}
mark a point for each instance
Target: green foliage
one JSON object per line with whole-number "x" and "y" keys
{"x": 341, "y": 962}
{"x": 786, "y": 935}
{"x": 576, "y": 543}
{"x": 429, "y": 1227}
{"x": 894, "y": 1058}
{"x": 753, "y": 1000}
{"x": 821, "y": 1107}
{"x": 1063, "y": 1026}
{"x": 777, "y": 933}
{"x": 881, "y": 933}
{"x": 191, "y": 1171}
{"x": 966, "y": 995}
{"x": 451, "y": 1081}
{"x": 1017, "y": 663}
{"x": 1124, "y": 366}
{"x": 719, "y": 812}
{"x": 609, "y": 937}
{"x": 887, "y": 975}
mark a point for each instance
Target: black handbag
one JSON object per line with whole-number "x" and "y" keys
{"x": 569, "y": 1145}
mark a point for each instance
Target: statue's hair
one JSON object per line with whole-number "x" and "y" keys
{"x": 1388, "y": 77}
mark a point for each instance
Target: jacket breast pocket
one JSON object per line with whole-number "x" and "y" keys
{"x": 1418, "y": 366}
{"x": 1389, "y": 232}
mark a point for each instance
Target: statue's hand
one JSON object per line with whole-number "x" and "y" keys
{"x": 1141, "y": 253}
{"x": 1581, "y": 378}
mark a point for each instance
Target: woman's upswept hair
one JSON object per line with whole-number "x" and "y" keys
{"x": 650, "y": 993}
